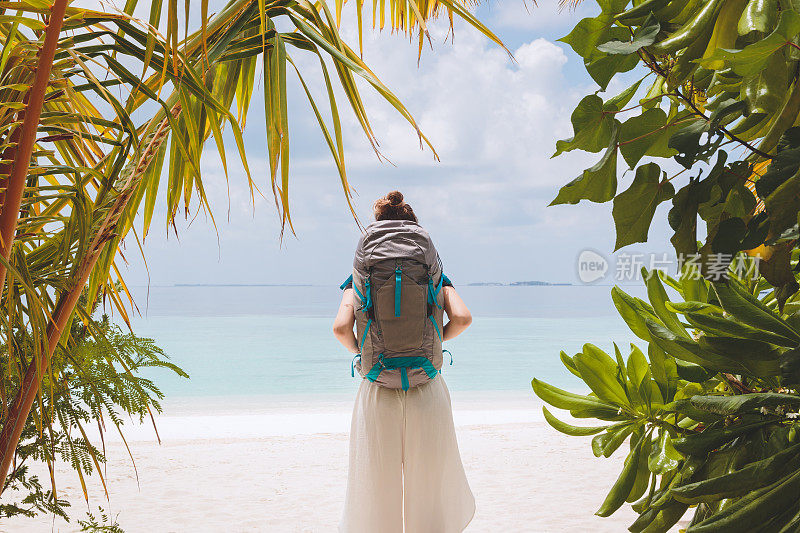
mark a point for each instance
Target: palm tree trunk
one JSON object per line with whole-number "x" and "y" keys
{"x": 15, "y": 183}
{"x": 29, "y": 388}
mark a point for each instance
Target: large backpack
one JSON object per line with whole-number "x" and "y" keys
{"x": 397, "y": 278}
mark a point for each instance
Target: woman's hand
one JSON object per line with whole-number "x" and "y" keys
{"x": 459, "y": 316}
{"x": 344, "y": 322}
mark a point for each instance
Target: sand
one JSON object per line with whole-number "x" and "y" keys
{"x": 282, "y": 468}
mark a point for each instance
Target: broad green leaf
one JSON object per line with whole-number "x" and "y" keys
{"x": 638, "y": 369}
{"x": 596, "y": 184}
{"x": 619, "y": 102}
{"x": 663, "y": 458}
{"x": 634, "y": 208}
{"x": 563, "y": 427}
{"x": 643, "y": 472}
{"x": 587, "y": 34}
{"x": 574, "y": 402}
{"x": 713, "y": 438}
{"x": 592, "y": 125}
{"x": 634, "y": 312}
{"x": 659, "y": 300}
{"x": 599, "y": 372}
{"x": 622, "y": 488}
{"x": 569, "y": 363}
{"x": 717, "y": 325}
{"x": 749, "y": 310}
{"x": 605, "y": 444}
{"x": 751, "y": 511}
{"x": 742, "y": 403}
{"x": 688, "y": 350}
{"x": 752, "y": 59}
{"x": 603, "y": 69}
{"x": 644, "y": 35}
{"x": 664, "y": 371}
{"x": 741, "y": 481}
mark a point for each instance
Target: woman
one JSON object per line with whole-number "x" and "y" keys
{"x": 405, "y": 469}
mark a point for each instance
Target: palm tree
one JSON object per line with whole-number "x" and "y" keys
{"x": 94, "y": 105}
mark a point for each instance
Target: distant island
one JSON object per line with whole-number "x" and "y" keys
{"x": 516, "y": 284}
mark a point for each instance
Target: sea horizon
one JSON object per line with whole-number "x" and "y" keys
{"x": 275, "y": 342}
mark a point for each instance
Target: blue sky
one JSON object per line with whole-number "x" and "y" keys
{"x": 494, "y": 123}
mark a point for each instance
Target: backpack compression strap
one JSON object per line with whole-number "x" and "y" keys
{"x": 403, "y": 363}
{"x": 433, "y": 296}
{"x": 366, "y": 306}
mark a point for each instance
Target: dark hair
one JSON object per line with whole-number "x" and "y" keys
{"x": 392, "y": 207}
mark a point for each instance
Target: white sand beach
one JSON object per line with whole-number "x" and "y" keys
{"x": 282, "y": 468}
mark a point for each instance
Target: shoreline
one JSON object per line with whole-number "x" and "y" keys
{"x": 282, "y": 467}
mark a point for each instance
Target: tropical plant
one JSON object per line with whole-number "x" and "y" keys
{"x": 96, "y": 105}
{"x": 96, "y": 380}
{"x": 710, "y": 412}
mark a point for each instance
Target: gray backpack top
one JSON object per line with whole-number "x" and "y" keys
{"x": 397, "y": 278}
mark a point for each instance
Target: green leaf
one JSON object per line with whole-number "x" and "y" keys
{"x": 748, "y": 309}
{"x": 634, "y": 208}
{"x": 587, "y": 34}
{"x": 659, "y": 300}
{"x": 724, "y": 326}
{"x": 602, "y": 69}
{"x": 605, "y": 444}
{"x": 639, "y": 133}
{"x": 638, "y": 369}
{"x": 599, "y": 372}
{"x": 751, "y": 511}
{"x": 743, "y": 403}
{"x": 758, "y": 356}
{"x": 619, "y": 102}
{"x": 713, "y": 438}
{"x": 688, "y": 350}
{"x": 634, "y": 312}
{"x": 741, "y": 481}
{"x": 563, "y": 427}
{"x": 644, "y": 35}
{"x": 783, "y": 204}
{"x": 596, "y": 184}
{"x": 624, "y": 484}
{"x": 752, "y": 59}
{"x": 663, "y": 458}
{"x": 592, "y": 125}
{"x": 664, "y": 371}
{"x": 569, "y": 363}
{"x": 592, "y": 407}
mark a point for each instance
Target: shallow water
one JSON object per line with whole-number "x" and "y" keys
{"x": 245, "y": 341}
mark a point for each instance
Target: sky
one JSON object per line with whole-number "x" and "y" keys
{"x": 494, "y": 122}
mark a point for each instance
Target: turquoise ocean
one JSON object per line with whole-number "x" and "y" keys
{"x": 245, "y": 341}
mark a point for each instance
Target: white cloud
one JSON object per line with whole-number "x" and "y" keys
{"x": 494, "y": 122}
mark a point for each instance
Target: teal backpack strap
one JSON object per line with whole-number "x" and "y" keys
{"x": 398, "y": 285}
{"x": 433, "y": 292}
{"x": 403, "y": 363}
{"x": 451, "y": 356}
{"x": 353, "y": 365}
{"x": 404, "y": 378}
{"x": 376, "y": 369}
{"x": 436, "y": 326}
{"x": 347, "y": 282}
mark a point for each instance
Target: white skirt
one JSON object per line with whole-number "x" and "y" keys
{"x": 405, "y": 468}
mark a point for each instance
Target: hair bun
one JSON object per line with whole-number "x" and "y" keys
{"x": 395, "y": 198}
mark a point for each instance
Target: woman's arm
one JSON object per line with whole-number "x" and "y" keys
{"x": 459, "y": 316}
{"x": 345, "y": 320}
